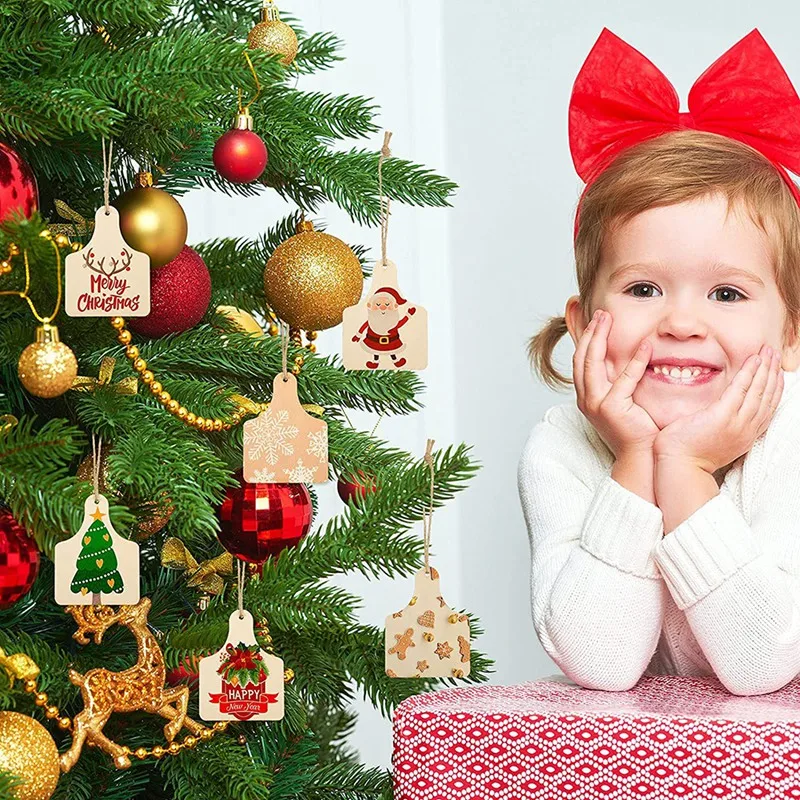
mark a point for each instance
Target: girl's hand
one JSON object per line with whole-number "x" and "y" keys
{"x": 727, "y": 428}
{"x": 624, "y": 426}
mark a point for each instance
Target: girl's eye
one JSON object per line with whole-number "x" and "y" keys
{"x": 727, "y": 289}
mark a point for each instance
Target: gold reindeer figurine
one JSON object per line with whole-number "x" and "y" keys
{"x": 139, "y": 688}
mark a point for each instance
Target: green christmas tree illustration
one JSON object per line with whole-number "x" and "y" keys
{"x": 97, "y": 563}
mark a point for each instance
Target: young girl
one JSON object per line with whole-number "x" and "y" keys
{"x": 662, "y": 503}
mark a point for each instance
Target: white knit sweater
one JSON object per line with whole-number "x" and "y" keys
{"x": 613, "y": 598}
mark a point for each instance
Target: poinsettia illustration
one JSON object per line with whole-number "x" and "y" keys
{"x": 243, "y": 665}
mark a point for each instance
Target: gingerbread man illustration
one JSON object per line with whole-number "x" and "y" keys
{"x": 404, "y": 641}
{"x": 384, "y": 320}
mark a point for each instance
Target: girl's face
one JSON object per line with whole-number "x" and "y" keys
{"x": 698, "y": 287}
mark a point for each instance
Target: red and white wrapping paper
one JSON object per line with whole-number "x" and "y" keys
{"x": 669, "y": 737}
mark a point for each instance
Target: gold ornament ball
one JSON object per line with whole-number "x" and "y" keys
{"x": 28, "y": 751}
{"x": 47, "y": 368}
{"x": 152, "y": 222}
{"x": 274, "y": 37}
{"x": 241, "y": 319}
{"x": 311, "y": 278}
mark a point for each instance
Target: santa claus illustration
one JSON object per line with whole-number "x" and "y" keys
{"x": 384, "y": 320}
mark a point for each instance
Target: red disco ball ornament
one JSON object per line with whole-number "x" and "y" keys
{"x": 17, "y": 185}
{"x": 258, "y": 520}
{"x": 180, "y": 292}
{"x": 240, "y": 154}
{"x": 19, "y": 560}
{"x": 351, "y": 488}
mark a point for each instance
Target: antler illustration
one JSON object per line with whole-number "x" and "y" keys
{"x": 126, "y": 264}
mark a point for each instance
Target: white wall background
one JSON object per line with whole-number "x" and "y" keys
{"x": 480, "y": 93}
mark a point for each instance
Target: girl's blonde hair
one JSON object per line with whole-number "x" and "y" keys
{"x": 673, "y": 168}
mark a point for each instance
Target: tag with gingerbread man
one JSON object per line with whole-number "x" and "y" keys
{"x": 427, "y": 638}
{"x": 385, "y": 330}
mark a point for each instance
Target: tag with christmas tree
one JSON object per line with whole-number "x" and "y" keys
{"x": 241, "y": 681}
{"x": 96, "y": 565}
{"x": 284, "y": 443}
{"x": 385, "y": 330}
{"x": 107, "y": 277}
{"x": 427, "y": 638}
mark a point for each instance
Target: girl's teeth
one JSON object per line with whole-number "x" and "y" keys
{"x": 681, "y": 372}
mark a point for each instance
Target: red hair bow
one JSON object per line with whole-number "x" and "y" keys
{"x": 620, "y": 98}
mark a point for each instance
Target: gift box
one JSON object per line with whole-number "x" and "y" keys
{"x": 668, "y": 737}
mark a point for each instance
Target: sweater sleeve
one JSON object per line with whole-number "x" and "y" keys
{"x": 597, "y": 597}
{"x": 739, "y": 584}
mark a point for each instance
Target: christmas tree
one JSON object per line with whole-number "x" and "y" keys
{"x": 163, "y": 80}
{"x": 97, "y": 563}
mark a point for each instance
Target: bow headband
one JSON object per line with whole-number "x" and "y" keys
{"x": 621, "y": 98}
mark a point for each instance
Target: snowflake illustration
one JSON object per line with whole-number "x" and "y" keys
{"x": 269, "y": 436}
{"x": 300, "y": 473}
{"x": 318, "y": 443}
{"x": 263, "y": 476}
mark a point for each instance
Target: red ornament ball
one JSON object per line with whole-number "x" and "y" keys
{"x": 240, "y": 155}
{"x": 180, "y": 292}
{"x": 17, "y": 185}
{"x": 350, "y": 488}
{"x": 258, "y": 520}
{"x": 19, "y": 560}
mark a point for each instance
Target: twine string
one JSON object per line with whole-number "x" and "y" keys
{"x": 284, "y": 328}
{"x": 107, "y": 170}
{"x": 97, "y": 444}
{"x": 427, "y": 518}
{"x": 240, "y": 586}
{"x": 384, "y": 201}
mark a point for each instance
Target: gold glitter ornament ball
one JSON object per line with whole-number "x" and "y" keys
{"x": 47, "y": 368}
{"x": 28, "y": 751}
{"x": 152, "y": 221}
{"x": 311, "y": 278}
{"x": 273, "y": 36}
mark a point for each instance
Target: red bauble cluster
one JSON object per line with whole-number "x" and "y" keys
{"x": 350, "y": 488}
{"x": 258, "y": 520}
{"x": 240, "y": 154}
{"x": 180, "y": 292}
{"x": 17, "y": 185}
{"x": 19, "y": 560}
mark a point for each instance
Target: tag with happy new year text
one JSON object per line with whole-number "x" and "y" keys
{"x": 107, "y": 277}
{"x": 385, "y": 330}
{"x": 241, "y": 681}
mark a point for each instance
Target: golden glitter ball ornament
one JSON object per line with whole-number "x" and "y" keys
{"x": 311, "y": 278}
{"x": 273, "y": 36}
{"x": 152, "y": 221}
{"x": 47, "y": 368}
{"x": 28, "y": 751}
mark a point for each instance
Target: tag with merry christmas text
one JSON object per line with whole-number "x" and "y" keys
{"x": 107, "y": 277}
{"x": 385, "y": 330}
{"x": 96, "y": 565}
{"x": 427, "y": 638}
{"x": 241, "y": 681}
{"x": 284, "y": 443}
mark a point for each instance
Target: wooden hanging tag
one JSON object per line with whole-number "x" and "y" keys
{"x": 96, "y": 565}
{"x": 241, "y": 681}
{"x": 427, "y": 638}
{"x": 284, "y": 443}
{"x": 107, "y": 277}
{"x": 385, "y": 330}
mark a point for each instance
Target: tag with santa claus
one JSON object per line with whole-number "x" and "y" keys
{"x": 385, "y": 330}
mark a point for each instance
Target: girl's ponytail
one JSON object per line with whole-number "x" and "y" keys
{"x": 540, "y": 352}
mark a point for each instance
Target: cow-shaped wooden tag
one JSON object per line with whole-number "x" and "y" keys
{"x": 96, "y": 565}
{"x": 284, "y": 443}
{"x": 241, "y": 681}
{"x": 384, "y": 330}
{"x": 107, "y": 277}
{"x": 427, "y": 638}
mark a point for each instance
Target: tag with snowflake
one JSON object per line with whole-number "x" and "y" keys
{"x": 427, "y": 638}
{"x": 284, "y": 443}
{"x": 97, "y": 565}
{"x": 241, "y": 681}
{"x": 385, "y": 330}
{"x": 107, "y": 277}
